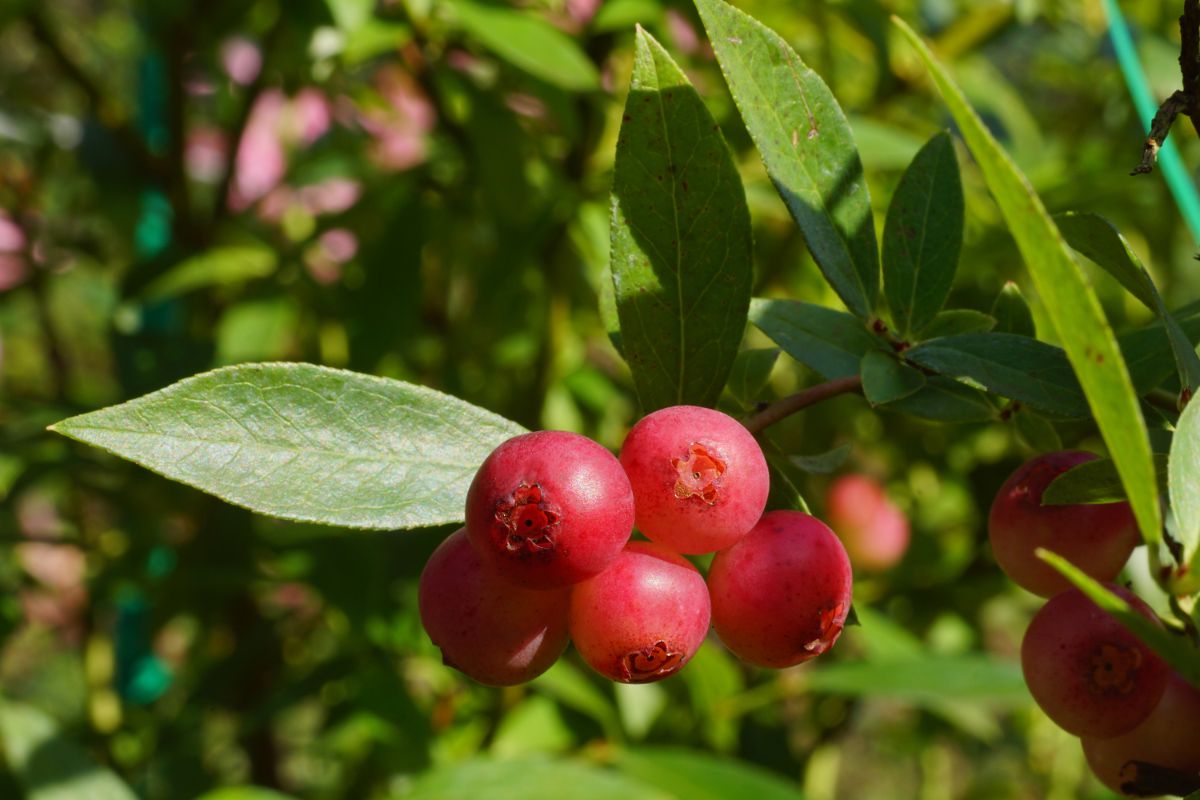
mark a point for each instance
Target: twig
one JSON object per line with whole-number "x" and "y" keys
{"x": 791, "y": 404}
{"x": 1184, "y": 101}
{"x": 1178, "y": 103}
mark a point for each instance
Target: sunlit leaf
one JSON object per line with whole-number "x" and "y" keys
{"x": 681, "y": 239}
{"x": 1074, "y": 309}
{"x": 221, "y": 266}
{"x": 807, "y": 146}
{"x": 528, "y": 42}
{"x": 528, "y": 779}
{"x": 1184, "y": 481}
{"x": 696, "y": 775}
{"x": 306, "y": 443}
{"x": 1011, "y": 312}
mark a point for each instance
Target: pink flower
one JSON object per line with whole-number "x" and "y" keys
{"x": 241, "y": 59}
{"x": 205, "y": 154}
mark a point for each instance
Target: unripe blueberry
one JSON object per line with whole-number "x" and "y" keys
{"x": 1169, "y": 737}
{"x": 549, "y": 509}
{"x": 780, "y": 596}
{"x": 491, "y": 630}
{"x": 1086, "y": 670}
{"x": 1096, "y": 538}
{"x": 699, "y": 479}
{"x": 874, "y": 531}
{"x": 643, "y": 618}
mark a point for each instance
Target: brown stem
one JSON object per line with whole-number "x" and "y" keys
{"x": 791, "y": 404}
{"x": 1185, "y": 101}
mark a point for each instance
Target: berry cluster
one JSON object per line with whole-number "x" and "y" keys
{"x": 1090, "y": 675}
{"x": 546, "y": 557}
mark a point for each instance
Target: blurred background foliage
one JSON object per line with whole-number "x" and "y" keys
{"x": 419, "y": 189}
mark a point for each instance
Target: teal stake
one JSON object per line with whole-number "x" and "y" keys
{"x": 1178, "y": 181}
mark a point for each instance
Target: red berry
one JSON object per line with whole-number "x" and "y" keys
{"x": 643, "y": 618}
{"x": 1086, "y": 670}
{"x": 780, "y": 596}
{"x": 487, "y": 628}
{"x": 874, "y": 531}
{"x": 1096, "y": 538}
{"x": 549, "y": 509}
{"x": 699, "y": 479}
{"x": 1169, "y": 737}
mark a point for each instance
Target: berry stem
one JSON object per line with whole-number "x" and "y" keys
{"x": 792, "y": 403}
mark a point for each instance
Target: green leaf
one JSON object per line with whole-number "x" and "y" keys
{"x": 535, "y": 725}
{"x": 1098, "y": 239}
{"x": 1149, "y": 352}
{"x": 807, "y": 147}
{"x": 1073, "y": 307}
{"x": 221, "y": 266}
{"x": 306, "y": 443}
{"x": 786, "y": 479}
{"x": 1012, "y": 366}
{"x": 822, "y": 463}
{"x": 702, "y": 776}
{"x": 957, "y": 320}
{"x": 712, "y": 677}
{"x": 926, "y": 679}
{"x": 1036, "y": 431}
{"x": 528, "y": 779}
{"x": 922, "y": 236}
{"x": 1095, "y": 237}
{"x": 748, "y": 378}
{"x": 681, "y": 239}
{"x": 1183, "y": 475}
{"x": 885, "y": 379}
{"x": 258, "y": 330}
{"x": 350, "y": 15}
{"x": 529, "y": 43}
{"x": 244, "y": 793}
{"x": 1011, "y": 312}
{"x": 573, "y": 689}
{"x": 48, "y": 765}
{"x": 1094, "y": 482}
{"x": 831, "y": 343}
{"x": 945, "y": 400}
{"x": 1173, "y": 649}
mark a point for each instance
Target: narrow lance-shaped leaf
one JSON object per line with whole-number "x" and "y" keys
{"x": 1098, "y": 239}
{"x": 1012, "y": 366}
{"x": 681, "y": 239}
{"x": 1183, "y": 479}
{"x": 306, "y": 443}
{"x": 807, "y": 147}
{"x": 830, "y": 342}
{"x": 923, "y": 235}
{"x": 1074, "y": 309}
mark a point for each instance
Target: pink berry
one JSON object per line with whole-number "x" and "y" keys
{"x": 780, "y": 596}
{"x": 874, "y": 531}
{"x": 643, "y": 618}
{"x": 1169, "y": 737}
{"x": 487, "y": 628}
{"x": 549, "y": 509}
{"x": 1086, "y": 670}
{"x": 699, "y": 479}
{"x": 1096, "y": 538}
